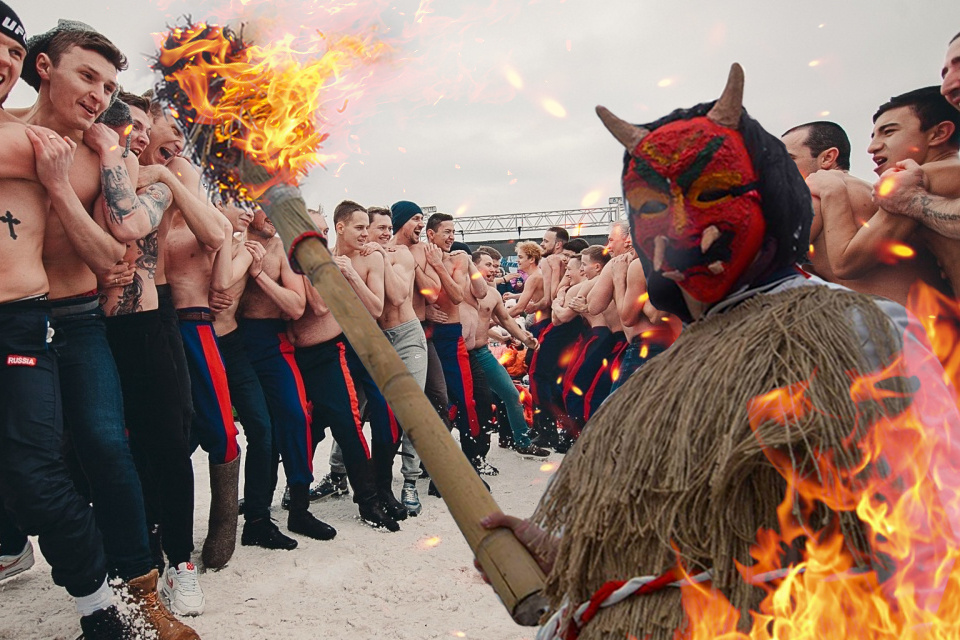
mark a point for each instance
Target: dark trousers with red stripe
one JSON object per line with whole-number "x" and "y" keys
{"x": 332, "y": 374}
{"x": 254, "y": 416}
{"x": 585, "y": 377}
{"x": 472, "y": 416}
{"x": 557, "y": 352}
{"x": 272, "y": 357}
{"x": 213, "y": 427}
{"x": 603, "y": 381}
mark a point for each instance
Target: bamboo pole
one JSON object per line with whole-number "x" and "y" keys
{"x": 513, "y": 572}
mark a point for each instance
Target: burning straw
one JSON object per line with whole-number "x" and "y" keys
{"x": 251, "y": 117}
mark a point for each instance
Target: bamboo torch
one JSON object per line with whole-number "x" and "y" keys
{"x": 513, "y": 572}
{"x": 250, "y": 113}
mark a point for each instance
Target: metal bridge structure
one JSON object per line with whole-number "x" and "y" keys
{"x": 507, "y": 227}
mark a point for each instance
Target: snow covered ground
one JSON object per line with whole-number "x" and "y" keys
{"x": 415, "y": 584}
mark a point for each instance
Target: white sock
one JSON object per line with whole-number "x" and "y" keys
{"x": 102, "y": 598}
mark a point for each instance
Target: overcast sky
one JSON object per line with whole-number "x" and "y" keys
{"x": 495, "y": 143}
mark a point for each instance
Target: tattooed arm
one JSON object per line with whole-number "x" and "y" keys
{"x": 201, "y": 217}
{"x": 904, "y": 190}
{"x": 54, "y": 157}
{"x": 129, "y": 215}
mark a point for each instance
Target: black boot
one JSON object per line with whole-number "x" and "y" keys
{"x": 382, "y": 462}
{"x": 105, "y": 624}
{"x": 301, "y": 521}
{"x": 373, "y": 513}
{"x": 264, "y": 533}
{"x": 364, "y": 486}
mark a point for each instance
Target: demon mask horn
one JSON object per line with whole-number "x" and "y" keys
{"x": 628, "y": 134}
{"x": 726, "y": 111}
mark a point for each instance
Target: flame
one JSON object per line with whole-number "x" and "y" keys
{"x": 886, "y": 186}
{"x": 644, "y": 297}
{"x": 905, "y": 490}
{"x": 263, "y": 100}
{"x": 476, "y": 276}
{"x": 426, "y": 292}
{"x": 893, "y": 252}
{"x": 590, "y": 199}
{"x": 547, "y": 467}
{"x": 513, "y": 78}
{"x": 577, "y": 230}
{"x": 128, "y": 129}
{"x": 554, "y": 108}
{"x": 644, "y": 351}
{"x": 665, "y": 82}
{"x": 813, "y": 63}
{"x": 430, "y": 543}
{"x": 615, "y": 372}
{"x": 577, "y": 390}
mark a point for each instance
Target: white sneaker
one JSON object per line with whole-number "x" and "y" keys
{"x": 12, "y": 565}
{"x": 181, "y": 590}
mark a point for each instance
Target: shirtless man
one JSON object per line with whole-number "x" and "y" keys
{"x": 332, "y": 371}
{"x": 490, "y": 308}
{"x": 402, "y": 327}
{"x": 75, "y": 71}
{"x": 274, "y": 295}
{"x": 408, "y": 224}
{"x": 34, "y": 483}
{"x": 447, "y": 335}
{"x": 588, "y": 381}
{"x": 837, "y": 246}
{"x": 246, "y": 391}
{"x": 193, "y": 264}
{"x": 919, "y": 126}
{"x": 623, "y": 283}
{"x": 905, "y": 191}
{"x": 552, "y": 266}
{"x": 531, "y": 299}
{"x": 159, "y": 438}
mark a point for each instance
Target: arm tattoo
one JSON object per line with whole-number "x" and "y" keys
{"x": 156, "y": 198}
{"x": 930, "y": 212}
{"x": 118, "y": 194}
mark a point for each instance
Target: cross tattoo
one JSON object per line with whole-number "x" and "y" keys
{"x": 10, "y": 220}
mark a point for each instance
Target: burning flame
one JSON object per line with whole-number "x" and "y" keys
{"x": 886, "y": 186}
{"x": 430, "y": 543}
{"x": 894, "y": 252}
{"x": 590, "y": 199}
{"x": 554, "y": 108}
{"x": 262, "y": 100}
{"x": 547, "y": 467}
{"x": 905, "y": 489}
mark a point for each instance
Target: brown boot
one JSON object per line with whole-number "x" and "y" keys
{"x": 143, "y": 595}
{"x": 222, "y": 530}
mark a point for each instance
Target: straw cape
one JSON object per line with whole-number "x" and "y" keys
{"x": 671, "y": 459}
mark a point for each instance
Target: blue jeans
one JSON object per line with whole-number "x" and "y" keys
{"x": 93, "y": 416}
{"x": 38, "y": 494}
{"x": 502, "y": 386}
{"x": 632, "y": 361}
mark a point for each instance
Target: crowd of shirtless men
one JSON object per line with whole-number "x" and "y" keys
{"x": 139, "y": 321}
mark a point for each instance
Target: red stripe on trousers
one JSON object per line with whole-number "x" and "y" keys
{"x": 352, "y": 394}
{"x": 218, "y": 375}
{"x": 613, "y": 359}
{"x": 575, "y": 367}
{"x": 287, "y": 351}
{"x": 394, "y": 425}
{"x": 466, "y": 378}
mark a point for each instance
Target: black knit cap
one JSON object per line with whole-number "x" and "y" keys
{"x": 11, "y": 26}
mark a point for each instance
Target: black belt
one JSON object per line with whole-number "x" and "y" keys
{"x": 195, "y": 316}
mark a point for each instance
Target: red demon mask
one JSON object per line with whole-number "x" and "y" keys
{"x": 692, "y": 198}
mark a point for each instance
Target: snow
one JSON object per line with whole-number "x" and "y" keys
{"x": 414, "y": 584}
